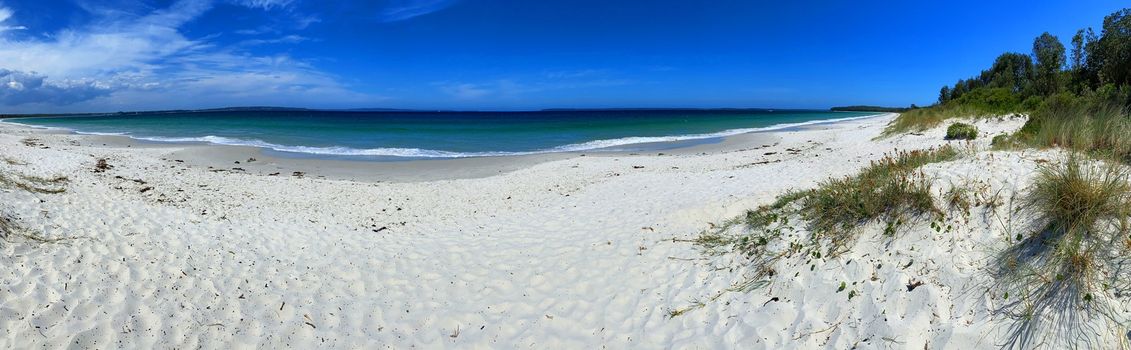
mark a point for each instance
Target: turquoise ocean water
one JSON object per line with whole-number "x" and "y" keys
{"x": 417, "y": 135}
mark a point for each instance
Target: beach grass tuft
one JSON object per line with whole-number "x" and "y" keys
{"x": 1061, "y": 284}
{"x": 889, "y": 190}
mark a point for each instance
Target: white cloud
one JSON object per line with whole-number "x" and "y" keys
{"x": 22, "y": 88}
{"x": 400, "y": 10}
{"x": 129, "y": 62}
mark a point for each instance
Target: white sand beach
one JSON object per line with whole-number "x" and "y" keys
{"x": 173, "y": 247}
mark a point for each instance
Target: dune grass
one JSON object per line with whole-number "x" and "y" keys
{"x": 1061, "y": 284}
{"x": 1100, "y": 129}
{"x": 919, "y": 120}
{"x": 888, "y": 191}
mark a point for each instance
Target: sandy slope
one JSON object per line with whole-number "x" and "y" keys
{"x": 572, "y": 253}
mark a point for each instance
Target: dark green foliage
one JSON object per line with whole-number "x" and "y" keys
{"x": 944, "y": 94}
{"x": 1113, "y": 53}
{"x": 995, "y": 101}
{"x": 1049, "y": 55}
{"x": 961, "y": 131}
{"x": 1083, "y": 71}
{"x": 1098, "y": 71}
{"x": 1012, "y": 71}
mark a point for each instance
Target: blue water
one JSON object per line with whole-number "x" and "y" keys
{"x": 413, "y": 135}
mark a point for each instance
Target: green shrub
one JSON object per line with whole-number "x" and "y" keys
{"x": 961, "y": 131}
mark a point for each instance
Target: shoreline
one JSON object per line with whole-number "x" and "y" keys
{"x": 267, "y": 161}
{"x": 577, "y": 252}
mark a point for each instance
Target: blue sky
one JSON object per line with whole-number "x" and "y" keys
{"x": 111, "y": 55}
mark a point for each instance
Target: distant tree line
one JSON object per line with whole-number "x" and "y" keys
{"x": 872, "y": 109}
{"x": 1096, "y": 65}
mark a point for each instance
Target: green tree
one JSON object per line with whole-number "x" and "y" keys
{"x": 944, "y": 94}
{"x": 1114, "y": 49}
{"x": 1048, "y": 53}
{"x": 959, "y": 89}
{"x": 1012, "y": 71}
{"x": 1082, "y": 69}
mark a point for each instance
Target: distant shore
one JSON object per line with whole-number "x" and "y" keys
{"x": 399, "y": 136}
{"x": 345, "y": 168}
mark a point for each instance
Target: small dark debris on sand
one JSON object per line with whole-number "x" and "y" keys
{"x": 102, "y": 166}
{"x": 33, "y": 142}
{"x": 298, "y": 174}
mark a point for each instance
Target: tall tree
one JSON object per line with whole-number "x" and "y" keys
{"x": 944, "y": 94}
{"x": 1114, "y": 49}
{"x": 1083, "y": 69}
{"x": 1079, "y": 56}
{"x": 1011, "y": 70}
{"x": 959, "y": 89}
{"x": 1048, "y": 54}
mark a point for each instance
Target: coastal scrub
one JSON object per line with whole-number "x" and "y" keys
{"x": 961, "y": 131}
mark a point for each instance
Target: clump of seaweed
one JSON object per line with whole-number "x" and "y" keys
{"x": 34, "y": 184}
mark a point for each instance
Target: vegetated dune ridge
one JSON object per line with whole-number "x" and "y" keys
{"x": 579, "y": 252}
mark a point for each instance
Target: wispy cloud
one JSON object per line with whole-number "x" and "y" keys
{"x": 5, "y": 14}
{"x": 265, "y": 4}
{"x": 145, "y": 60}
{"x": 286, "y": 39}
{"x": 399, "y": 10}
{"x": 466, "y": 91}
{"x": 516, "y": 88}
